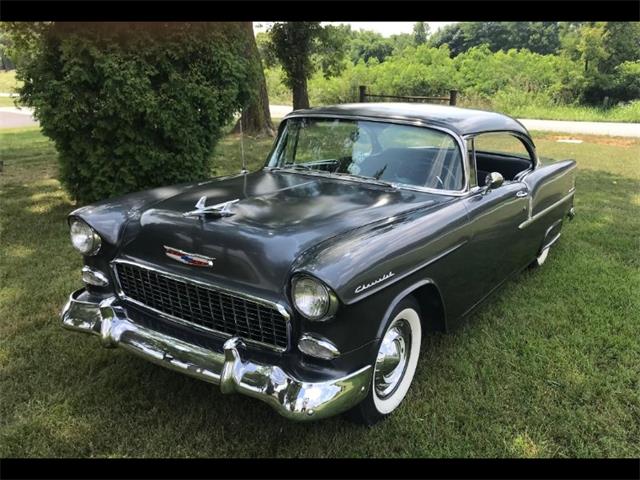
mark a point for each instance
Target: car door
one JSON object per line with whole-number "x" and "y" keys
{"x": 498, "y": 247}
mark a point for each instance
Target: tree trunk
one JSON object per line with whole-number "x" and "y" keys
{"x": 256, "y": 117}
{"x": 300, "y": 94}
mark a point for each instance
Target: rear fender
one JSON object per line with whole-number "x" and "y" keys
{"x": 550, "y": 184}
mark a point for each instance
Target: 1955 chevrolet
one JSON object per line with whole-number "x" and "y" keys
{"x": 309, "y": 284}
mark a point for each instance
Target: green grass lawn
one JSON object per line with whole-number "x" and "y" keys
{"x": 8, "y": 81}
{"x": 7, "y": 102}
{"x": 549, "y": 367}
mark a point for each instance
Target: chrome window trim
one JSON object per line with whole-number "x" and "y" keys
{"x": 395, "y": 120}
{"x": 526, "y": 140}
{"x": 278, "y": 306}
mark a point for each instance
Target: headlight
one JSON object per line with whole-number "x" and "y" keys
{"x": 84, "y": 238}
{"x": 312, "y": 298}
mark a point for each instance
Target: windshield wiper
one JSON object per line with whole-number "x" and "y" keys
{"x": 367, "y": 179}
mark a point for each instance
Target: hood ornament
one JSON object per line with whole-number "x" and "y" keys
{"x": 188, "y": 258}
{"x": 221, "y": 209}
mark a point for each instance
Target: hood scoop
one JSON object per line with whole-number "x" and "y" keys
{"x": 219, "y": 210}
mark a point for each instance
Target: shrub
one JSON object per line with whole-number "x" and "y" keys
{"x": 133, "y": 106}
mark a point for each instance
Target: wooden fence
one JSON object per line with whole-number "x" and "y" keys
{"x": 451, "y": 99}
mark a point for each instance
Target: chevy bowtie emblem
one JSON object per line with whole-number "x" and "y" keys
{"x": 188, "y": 258}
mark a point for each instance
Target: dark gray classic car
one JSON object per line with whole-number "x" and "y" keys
{"x": 309, "y": 283}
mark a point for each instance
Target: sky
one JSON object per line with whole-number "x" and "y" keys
{"x": 385, "y": 28}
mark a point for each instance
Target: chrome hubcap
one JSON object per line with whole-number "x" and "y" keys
{"x": 392, "y": 358}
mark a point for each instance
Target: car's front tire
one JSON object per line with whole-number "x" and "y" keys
{"x": 394, "y": 365}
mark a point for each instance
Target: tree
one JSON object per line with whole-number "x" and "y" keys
{"x": 538, "y": 37}
{"x": 420, "y": 33}
{"x": 131, "y": 106}
{"x": 303, "y": 47}
{"x": 366, "y": 44}
{"x": 256, "y": 117}
{"x": 5, "y": 47}
{"x": 453, "y": 36}
{"x": 622, "y": 43}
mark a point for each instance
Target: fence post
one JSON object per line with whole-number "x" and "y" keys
{"x": 453, "y": 97}
{"x": 363, "y": 93}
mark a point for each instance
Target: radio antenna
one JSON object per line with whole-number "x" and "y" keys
{"x": 244, "y": 162}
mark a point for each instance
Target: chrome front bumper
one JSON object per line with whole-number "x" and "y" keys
{"x": 291, "y": 397}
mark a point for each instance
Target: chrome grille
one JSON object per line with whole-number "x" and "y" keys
{"x": 203, "y": 305}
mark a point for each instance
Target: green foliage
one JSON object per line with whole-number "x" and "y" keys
{"x": 539, "y": 37}
{"x": 278, "y": 91}
{"x": 420, "y": 33}
{"x": 6, "y": 44}
{"x": 304, "y": 47}
{"x": 513, "y": 81}
{"x": 365, "y": 44}
{"x": 8, "y": 82}
{"x": 132, "y": 106}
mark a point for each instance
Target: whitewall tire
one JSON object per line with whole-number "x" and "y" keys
{"x": 395, "y": 364}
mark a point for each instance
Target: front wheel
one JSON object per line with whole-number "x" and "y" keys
{"x": 395, "y": 364}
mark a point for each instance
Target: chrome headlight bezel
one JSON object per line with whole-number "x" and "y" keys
{"x": 326, "y": 297}
{"x": 81, "y": 233}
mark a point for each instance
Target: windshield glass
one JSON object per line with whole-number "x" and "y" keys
{"x": 400, "y": 154}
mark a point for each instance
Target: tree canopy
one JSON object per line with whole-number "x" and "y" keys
{"x": 303, "y": 47}
{"x": 131, "y": 106}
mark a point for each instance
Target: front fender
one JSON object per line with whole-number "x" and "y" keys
{"x": 367, "y": 260}
{"x": 110, "y": 217}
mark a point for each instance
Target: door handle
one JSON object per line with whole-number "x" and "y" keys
{"x": 522, "y": 193}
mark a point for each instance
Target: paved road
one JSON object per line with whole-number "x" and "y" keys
{"x": 14, "y": 117}
{"x": 585, "y": 128}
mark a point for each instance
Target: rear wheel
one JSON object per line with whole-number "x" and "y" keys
{"x": 395, "y": 364}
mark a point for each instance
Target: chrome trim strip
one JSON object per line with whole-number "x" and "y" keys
{"x": 401, "y": 121}
{"x": 281, "y": 309}
{"x": 542, "y": 213}
{"x": 553, "y": 240}
{"x": 291, "y": 396}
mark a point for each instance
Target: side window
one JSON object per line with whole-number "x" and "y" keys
{"x": 502, "y": 144}
{"x": 500, "y": 152}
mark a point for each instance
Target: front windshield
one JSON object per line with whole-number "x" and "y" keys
{"x": 389, "y": 152}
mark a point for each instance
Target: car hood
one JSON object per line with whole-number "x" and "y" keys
{"x": 277, "y": 216}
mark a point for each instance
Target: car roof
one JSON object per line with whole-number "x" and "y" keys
{"x": 463, "y": 121}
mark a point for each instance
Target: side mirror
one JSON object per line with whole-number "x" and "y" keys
{"x": 493, "y": 180}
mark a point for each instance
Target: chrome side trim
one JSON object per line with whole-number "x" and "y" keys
{"x": 542, "y": 213}
{"x": 553, "y": 240}
{"x": 278, "y": 306}
{"x": 291, "y": 396}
